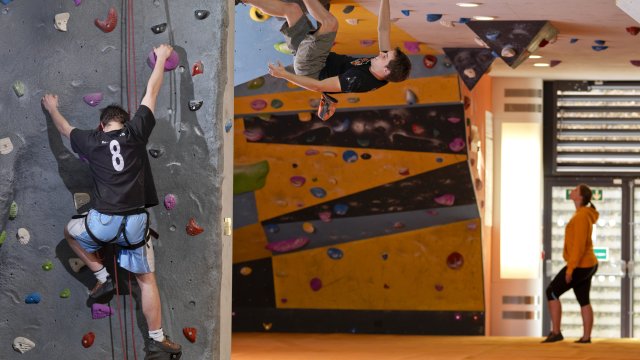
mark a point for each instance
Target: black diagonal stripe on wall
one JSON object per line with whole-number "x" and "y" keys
{"x": 253, "y": 284}
{"x": 411, "y": 193}
{"x": 436, "y": 128}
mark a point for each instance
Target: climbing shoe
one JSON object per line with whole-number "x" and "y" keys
{"x": 583, "y": 341}
{"x": 166, "y": 346}
{"x": 102, "y": 289}
{"x": 553, "y": 337}
{"x": 239, "y": 2}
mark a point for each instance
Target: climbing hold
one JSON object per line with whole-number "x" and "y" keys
{"x": 447, "y": 23}
{"x": 22, "y": 344}
{"x": 406, "y": 12}
{"x": 341, "y": 125}
{"x": 367, "y": 43}
{"x": 433, "y": 17}
{"x": 311, "y": 152}
{"x": 169, "y": 201}
{"x": 195, "y": 105}
{"x": 384, "y": 256}
{"x": 60, "y": 21}
{"x": 599, "y": 42}
{"x": 314, "y": 103}
{"x": 467, "y": 102}
{"x": 352, "y": 21}
{"x": 77, "y": 2}
{"x": 340, "y": 209}
{"x": 316, "y": 284}
{"x": 13, "y": 210}
{"x": 554, "y": 63}
{"x": 159, "y": 29}
{"x": 47, "y": 266}
{"x": 347, "y": 9}
{"x": 429, "y": 61}
{"x": 19, "y": 88}
{"x": 227, "y": 126}
{"x": 403, "y": 171}
{"x": 464, "y": 20}
{"x": 365, "y": 156}
{"x": 410, "y": 97}
{"x": 3, "y": 237}
{"x": 453, "y": 119}
{"x": 171, "y": 63}
{"x": 325, "y": 216}
{"x": 353, "y": 100}
{"x": 469, "y": 72}
{"x": 329, "y": 154}
{"x": 272, "y": 228}
{"x": 258, "y": 104}
{"x": 335, "y": 253}
{"x": 412, "y": 47}
{"x": 350, "y": 156}
{"x": 398, "y": 225}
{"x": 23, "y": 236}
{"x": 633, "y": 30}
{"x": 386, "y": 286}
{"x": 192, "y": 228}
{"x": 297, "y": 181}
{"x": 87, "y": 339}
{"x": 76, "y": 264}
{"x": 508, "y": 51}
{"x": 283, "y": 246}
{"x": 257, "y": 15}
{"x": 472, "y": 226}
{"x": 198, "y": 68}
{"x": 6, "y": 146}
{"x": 109, "y": 23}
{"x": 190, "y": 333}
{"x": 253, "y": 134}
{"x": 635, "y": 62}
{"x": 172, "y": 228}
{"x": 599, "y": 47}
{"x": 304, "y": 116}
{"x": 276, "y": 104}
{"x": 308, "y": 228}
{"x": 445, "y": 200}
{"x": 417, "y": 129}
{"x": 256, "y": 83}
{"x": 33, "y": 298}
{"x": 93, "y": 99}
{"x": 493, "y": 35}
{"x": 245, "y": 271}
{"x": 480, "y": 42}
{"x": 283, "y": 48}
{"x": 65, "y": 293}
{"x": 6, "y": 2}
{"x": 81, "y": 199}
{"x": 439, "y": 287}
{"x": 318, "y": 192}
{"x": 573, "y": 40}
{"x": 100, "y": 311}
{"x": 267, "y": 326}
{"x": 455, "y": 260}
{"x": 456, "y": 145}
{"x": 201, "y": 14}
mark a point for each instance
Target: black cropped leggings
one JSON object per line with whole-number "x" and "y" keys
{"x": 580, "y": 283}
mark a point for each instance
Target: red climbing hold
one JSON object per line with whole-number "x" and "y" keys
{"x": 543, "y": 43}
{"x": 633, "y": 30}
{"x": 110, "y": 23}
{"x": 193, "y": 229}
{"x": 635, "y": 62}
{"x": 87, "y": 339}
{"x": 190, "y": 333}
{"x": 429, "y": 61}
{"x": 198, "y": 68}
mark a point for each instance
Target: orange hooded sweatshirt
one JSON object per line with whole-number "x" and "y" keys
{"x": 578, "y": 246}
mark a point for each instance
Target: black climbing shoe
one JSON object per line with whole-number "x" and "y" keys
{"x": 240, "y": 2}
{"x": 166, "y": 347}
{"x": 553, "y": 337}
{"x": 101, "y": 289}
{"x": 583, "y": 341}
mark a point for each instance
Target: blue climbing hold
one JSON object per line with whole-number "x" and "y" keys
{"x": 33, "y": 298}
{"x": 347, "y": 9}
{"x": 350, "y": 156}
{"x": 599, "y": 47}
{"x": 6, "y": 2}
{"x": 272, "y": 228}
{"x": 493, "y": 35}
{"x": 318, "y": 192}
{"x": 433, "y": 17}
{"x": 340, "y": 209}
{"x": 335, "y": 253}
{"x": 599, "y": 42}
{"x": 573, "y": 40}
{"x": 405, "y": 12}
{"x": 464, "y": 20}
{"x": 227, "y": 126}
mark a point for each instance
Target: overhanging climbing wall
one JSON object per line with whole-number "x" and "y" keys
{"x": 42, "y": 296}
{"x": 365, "y": 223}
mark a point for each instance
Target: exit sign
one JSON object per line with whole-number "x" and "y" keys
{"x": 597, "y": 194}
{"x": 602, "y": 253}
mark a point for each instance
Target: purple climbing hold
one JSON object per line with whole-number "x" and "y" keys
{"x": 412, "y": 47}
{"x": 172, "y": 61}
{"x": 316, "y": 284}
{"x": 254, "y": 134}
{"x": 455, "y": 260}
{"x": 456, "y": 145}
{"x": 77, "y": 2}
{"x": 284, "y": 246}
{"x": 311, "y": 152}
{"x": 93, "y": 99}
{"x": 169, "y": 201}
{"x": 367, "y": 43}
{"x": 100, "y": 311}
{"x": 297, "y": 181}
{"x": 439, "y": 287}
{"x": 33, "y": 298}
{"x": 258, "y": 104}
{"x": 445, "y": 200}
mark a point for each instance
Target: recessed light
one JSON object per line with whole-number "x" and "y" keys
{"x": 468, "y": 4}
{"x": 535, "y": 56}
{"x": 484, "y": 18}
{"x": 541, "y": 65}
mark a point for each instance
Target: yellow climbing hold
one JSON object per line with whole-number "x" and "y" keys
{"x": 257, "y": 15}
{"x": 13, "y": 210}
{"x": 283, "y": 48}
{"x": 308, "y": 228}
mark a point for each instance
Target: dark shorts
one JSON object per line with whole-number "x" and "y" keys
{"x": 580, "y": 283}
{"x": 310, "y": 50}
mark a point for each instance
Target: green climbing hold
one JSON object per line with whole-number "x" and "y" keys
{"x": 283, "y": 48}
{"x": 19, "y": 88}
{"x": 3, "y": 237}
{"x": 250, "y": 177}
{"x": 276, "y": 104}
{"x": 48, "y": 265}
{"x": 65, "y": 293}
{"x": 256, "y": 83}
{"x": 13, "y": 210}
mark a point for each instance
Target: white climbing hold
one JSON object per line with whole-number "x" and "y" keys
{"x": 470, "y": 73}
{"x": 81, "y": 199}
{"x": 352, "y": 21}
{"x": 23, "y": 236}
{"x": 6, "y": 146}
{"x": 447, "y": 23}
{"x": 22, "y": 344}
{"x": 480, "y": 42}
{"x": 508, "y": 51}
{"x": 76, "y": 264}
{"x": 61, "y": 21}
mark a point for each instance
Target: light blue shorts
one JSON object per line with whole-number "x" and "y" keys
{"x": 105, "y": 227}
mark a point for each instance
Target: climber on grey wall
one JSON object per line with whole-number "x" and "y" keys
{"x": 316, "y": 68}
{"x": 123, "y": 189}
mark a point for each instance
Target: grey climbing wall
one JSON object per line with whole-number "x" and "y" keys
{"x": 40, "y": 174}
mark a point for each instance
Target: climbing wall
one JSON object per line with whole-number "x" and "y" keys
{"x": 365, "y": 223}
{"x": 43, "y": 289}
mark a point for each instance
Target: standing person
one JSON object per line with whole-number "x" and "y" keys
{"x": 318, "y": 69}
{"x": 123, "y": 189}
{"x": 581, "y": 265}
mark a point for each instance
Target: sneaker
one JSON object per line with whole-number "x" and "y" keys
{"x": 583, "y": 341}
{"x": 102, "y": 289}
{"x": 553, "y": 337}
{"x": 166, "y": 346}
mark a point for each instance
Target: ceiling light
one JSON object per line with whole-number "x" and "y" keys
{"x": 541, "y": 65}
{"x": 484, "y": 18}
{"x": 468, "y": 4}
{"x": 535, "y": 56}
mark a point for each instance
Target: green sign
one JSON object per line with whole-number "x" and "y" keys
{"x": 597, "y": 194}
{"x": 602, "y": 253}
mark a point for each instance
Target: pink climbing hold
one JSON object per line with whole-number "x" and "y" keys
{"x": 446, "y": 199}
{"x": 297, "y": 181}
{"x": 453, "y": 119}
{"x": 93, "y": 99}
{"x": 456, "y": 145}
{"x": 109, "y": 24}
{"x": 258, "y": 104}
{"x": 171, "y": 63}
{"x": 101, "y": 311}
{"x": 315, "y": 284}
{"x": 412, "y": 47}
{"x": 455, "y": 260}
{"x": 367, "y": 43}
{"x": 287, "y": 245}
{"x": 325, "y": 216}
{"x": 169, "y": 201}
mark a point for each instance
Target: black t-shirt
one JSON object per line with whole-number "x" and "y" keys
{"x": 353, "y": 73}
{"x": 119, "y": 164}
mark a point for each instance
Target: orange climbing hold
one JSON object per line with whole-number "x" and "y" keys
{"x": 109, "y": 24}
